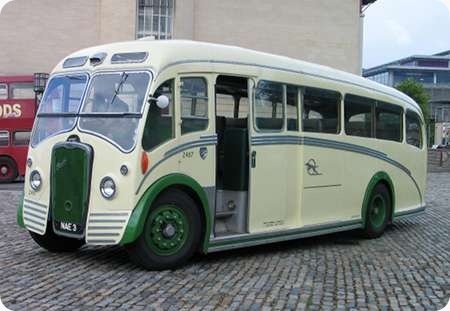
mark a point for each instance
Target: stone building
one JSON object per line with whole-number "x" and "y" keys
{"x": 36, "y": 34}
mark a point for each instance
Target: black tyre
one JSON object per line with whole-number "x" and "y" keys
{"x": 8, "y": 170}
{"x": 171, "y": 233}
{"x": 378, "y": 212}
{"x": 55, "y": 243}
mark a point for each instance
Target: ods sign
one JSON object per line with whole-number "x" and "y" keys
{"x": 10, "y": 111}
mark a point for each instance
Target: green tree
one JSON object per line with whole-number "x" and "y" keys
{"x": 415, "y": 90}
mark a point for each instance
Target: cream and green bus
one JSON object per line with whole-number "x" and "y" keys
{"x": 174, "y": 147}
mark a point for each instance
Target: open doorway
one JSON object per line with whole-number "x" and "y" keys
{"x": 232, "y": 165}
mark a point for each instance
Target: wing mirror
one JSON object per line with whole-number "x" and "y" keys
{"x": 162, "y": 101}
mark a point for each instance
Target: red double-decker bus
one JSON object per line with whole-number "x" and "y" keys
{"x": 18, "y": 105}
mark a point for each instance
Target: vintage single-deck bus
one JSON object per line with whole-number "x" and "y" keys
{"x": 173, "y": 147}
{"x": 17, "y": 111}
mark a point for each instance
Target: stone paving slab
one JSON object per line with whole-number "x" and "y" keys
{"x": 406, "y": 269}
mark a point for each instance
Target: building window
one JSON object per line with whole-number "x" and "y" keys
{"x": 419, "y": 76}
{"x": 443, "y": 77}
{"x": 155, "y": 18}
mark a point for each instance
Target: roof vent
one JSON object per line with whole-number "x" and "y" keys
{"x": 132, "y": 57}
{"x": 75, "y": 62}
{"x": 97, "y": 59}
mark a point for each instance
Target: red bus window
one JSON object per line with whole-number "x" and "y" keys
{"x": 4, "y": 138}
{"x": 3, "y": 91}
{"x": 21, "y": 91}
{"x": 21, "y": 138}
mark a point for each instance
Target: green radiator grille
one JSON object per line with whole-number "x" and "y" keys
{"x": 70, "y": 184}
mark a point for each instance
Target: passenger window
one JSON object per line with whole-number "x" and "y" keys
{"x": 321, "y": 110}
{"x": 4, "y": 138}
{"x": 194, "y": 105}
{"x": 224, "y": 105}
{"x": 292, "y": 108}
{"x": 3, "y": 91}
{"x": 21, "y": 138}
{"x": 389, "y": 120}
{"x": 269, "y": 112}
{"x": 22, "y": 91}
{"x": 159, "y": 126}
{"x": 413, "y": 129}
{"x": 358, "y": 115}
{"x": 243, "y": 108}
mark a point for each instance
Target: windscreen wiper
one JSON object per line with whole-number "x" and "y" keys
{"x": 58, "y": 114}
{"x": 111, "y": 115}
{"x": 116, "y": 91}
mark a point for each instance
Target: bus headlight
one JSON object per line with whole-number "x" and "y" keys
{"x": 108, "y": 188}
{"x": 35, "y": 180}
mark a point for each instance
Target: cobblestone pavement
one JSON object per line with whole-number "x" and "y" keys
{"x": 408, "y": 268}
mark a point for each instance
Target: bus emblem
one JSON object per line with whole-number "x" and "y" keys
{"x": 60, "y": 165}
{"x": 311, "y": 168}
{"x": 203, "y": 152}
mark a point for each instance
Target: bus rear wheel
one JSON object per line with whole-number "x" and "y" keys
{"x": 171, "y": 233}
{"x": 56, "y": 243}
{"x": 8, "y": 170}
{"x": 378, "y": 212}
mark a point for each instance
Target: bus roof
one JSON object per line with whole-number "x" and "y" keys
{"x": 165, "y": 53}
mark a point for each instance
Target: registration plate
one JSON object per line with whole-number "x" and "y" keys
{"x": 68, "y": 227}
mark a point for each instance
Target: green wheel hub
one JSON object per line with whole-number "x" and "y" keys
{"x": 166, "y": 230}
{"x": 378, "y": 211}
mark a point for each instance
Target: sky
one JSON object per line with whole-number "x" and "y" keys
{"x": 394, "y": 29}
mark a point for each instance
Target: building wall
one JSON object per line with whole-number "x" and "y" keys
{"x": 117, "y": 20}
{"x": 37, "y": 34}
{"x": 325, "y": 32}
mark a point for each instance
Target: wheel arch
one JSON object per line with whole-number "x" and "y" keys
{"x": 182, "y": 182}
{"x": 9, "y": 156}
{"x": 383, "y": 178}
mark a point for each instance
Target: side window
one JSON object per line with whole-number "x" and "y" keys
{"x": 269, "y": 112}
{"x": 21, "y": 91}
{"x": 413, "y": 129}
{"x": 159, "y": 126}
{"x": 21, "y": 138}
{"x": 358, "y": 115}
{"x": 389, "y": 120}
{"x": 292, "y": 108}
{"x": 243, "y": 108}
{"x": 194, "y": 105}
{"x": 4, "y": 138}
{"x": 224, "y": 105}
{"x": 321, "y": 110}
{"x": 3, "y": 91}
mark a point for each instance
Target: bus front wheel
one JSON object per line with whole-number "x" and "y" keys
{"x": 377, "y": 212}
{"x": 171, "y": 233}
{"x": 8, "y": 170}
{"x": 55, "y": 243}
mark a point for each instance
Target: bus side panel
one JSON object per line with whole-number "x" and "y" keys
{"x": 323, "y": 184}
{"x": 361, "y": 168}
